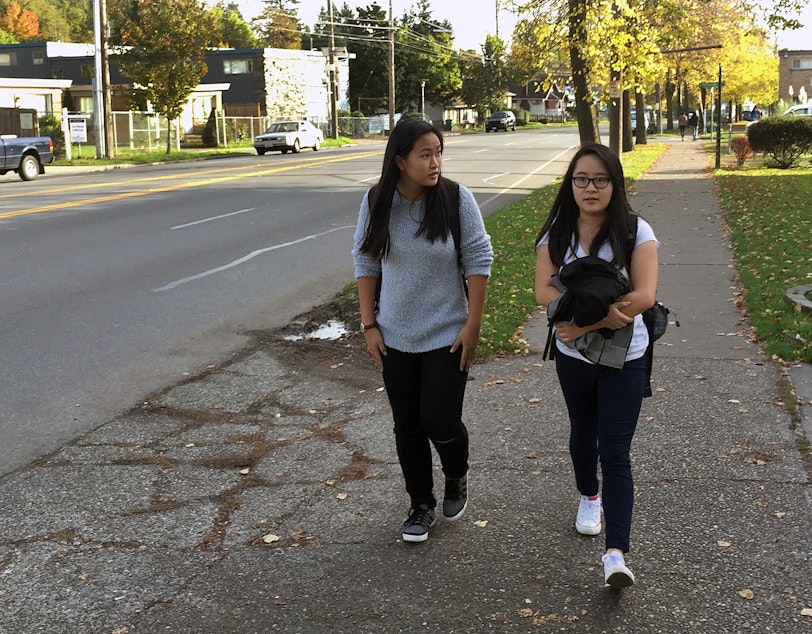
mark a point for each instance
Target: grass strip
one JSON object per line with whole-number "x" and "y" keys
{"x": 770, "y": 224}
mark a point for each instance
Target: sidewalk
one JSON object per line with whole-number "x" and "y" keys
{"x": 261, "y": 497}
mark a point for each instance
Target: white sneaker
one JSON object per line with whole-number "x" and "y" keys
{"x": 588, "y": 520}
{"x": 615, "y": 572}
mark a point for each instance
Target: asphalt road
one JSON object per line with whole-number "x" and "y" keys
{"x": 119, "y": 283}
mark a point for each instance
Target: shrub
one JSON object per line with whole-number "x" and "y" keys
{"x": 209, "y": 136}
{"x": 741, "y": 148}
{"x": 783, "y": 139}
{"x": 50, "y": 125}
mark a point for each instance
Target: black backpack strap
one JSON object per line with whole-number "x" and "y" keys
{"x": 631, "y": 239}
{"x": 454, "y": 219}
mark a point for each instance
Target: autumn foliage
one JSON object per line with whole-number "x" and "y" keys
{"x": 18, "y": 22}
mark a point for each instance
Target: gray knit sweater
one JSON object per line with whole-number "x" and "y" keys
{"x": 423, "y": 305}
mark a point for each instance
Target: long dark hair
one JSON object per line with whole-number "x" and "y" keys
{"x": 436, "y": 222}
{"x": 562, "y": 223}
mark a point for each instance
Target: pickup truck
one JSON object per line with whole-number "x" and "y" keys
{"x": 25, "y": 155}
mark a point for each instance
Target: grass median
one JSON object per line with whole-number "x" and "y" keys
{"x": 770, "y": 225}
{"x": 140, "y": 157}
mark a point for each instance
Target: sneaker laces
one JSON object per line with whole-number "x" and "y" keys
{"x": 421, "y": 516}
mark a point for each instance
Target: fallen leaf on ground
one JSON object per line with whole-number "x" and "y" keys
{"x": 342, "y": 496}
{"x": 481, "y": 523}
{"x": 270, "y": 538}
{"x": 747, "y": 593}
{"x": 806, "y": 612}
{"x": 723, "y": 544}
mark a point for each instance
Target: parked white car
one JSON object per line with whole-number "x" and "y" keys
{"x": 289, "y": 136}
{"x": 802, "y": 110}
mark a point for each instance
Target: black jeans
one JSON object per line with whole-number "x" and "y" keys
{"x": 603, "y": 405}
{"x": 426, "y": 392}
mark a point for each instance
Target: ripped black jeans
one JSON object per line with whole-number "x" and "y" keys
{"x": 426, "y": 392}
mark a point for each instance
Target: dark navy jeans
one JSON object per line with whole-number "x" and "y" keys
{"x": 604, "y": 405}
{"x": 426, "y": 393}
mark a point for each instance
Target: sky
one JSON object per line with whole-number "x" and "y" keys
{"x": 471, "y": 24}
{"x": 478, "y": 18}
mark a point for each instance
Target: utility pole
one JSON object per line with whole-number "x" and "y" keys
{"x": 333, "y": 74}
{"x": 391, "y": 69}
{"x": 99, "y": 114}
{"x": 109, "y": 145}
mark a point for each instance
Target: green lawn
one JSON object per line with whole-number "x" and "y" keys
{"x": 139, "y": 157}
{"x": 769, "y": 215}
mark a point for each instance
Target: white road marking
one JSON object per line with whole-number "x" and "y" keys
{"x": 200, "y": 222}
{"x": 525, "y": 177}
{"x": 245, "y": 258}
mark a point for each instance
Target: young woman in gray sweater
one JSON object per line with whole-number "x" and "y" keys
{"x": 424, "y": 331}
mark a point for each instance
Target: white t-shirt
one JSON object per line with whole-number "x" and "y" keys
{"x": 639, "y": 341}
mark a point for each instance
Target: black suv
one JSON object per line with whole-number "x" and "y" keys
{"x": 501, "y": 120}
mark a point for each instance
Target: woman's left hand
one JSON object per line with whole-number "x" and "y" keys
{"x": 468, "y": 339}
{"x": 568, "y": 331}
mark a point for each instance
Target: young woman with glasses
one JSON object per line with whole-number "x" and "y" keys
{"x": 591, "y": 216}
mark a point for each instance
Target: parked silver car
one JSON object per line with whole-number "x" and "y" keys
{"x": 289, "y": 136}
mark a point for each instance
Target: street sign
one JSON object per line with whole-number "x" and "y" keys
{"x": 78, "y": 131}
{"x": 710, "y": 84}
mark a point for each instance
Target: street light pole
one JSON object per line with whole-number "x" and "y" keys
{"x": 333, "y": 75}
{"x": 423, "y": 97}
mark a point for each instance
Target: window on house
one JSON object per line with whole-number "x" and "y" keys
{"x": 39, "y": 58}
{"x": 8, "y": 59}
{"x": 801, "y": 64}
{"x": 88, "y": 70}
{"x": 85, "y": 104}
{"x": 236, "y": 66}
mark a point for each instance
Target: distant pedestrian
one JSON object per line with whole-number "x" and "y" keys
{"x": 683, "y": 123}
{"x": 600, "y": 337}
{"x": 693, "y": 121}
{"x": 418, "y": 235}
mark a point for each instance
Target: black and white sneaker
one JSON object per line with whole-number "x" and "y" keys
{"x": 456, "y": 497}
{"x": 416, "y": 528}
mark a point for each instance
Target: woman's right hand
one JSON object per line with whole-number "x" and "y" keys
{"x": 375, "y": 346}
{"x": 616, "y": 318}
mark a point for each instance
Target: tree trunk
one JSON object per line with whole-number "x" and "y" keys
{"x": 628, "y": 141}
{"x": 168, "y": 135}
{"x": 584, "y": 107}
{"x": 640, "y": 108}
{"x": 616, "y": 114}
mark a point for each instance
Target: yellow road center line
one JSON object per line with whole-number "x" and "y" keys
{"x": 166, "y": 188}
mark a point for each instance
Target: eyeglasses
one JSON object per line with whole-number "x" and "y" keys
{"x": 601, "y": 182}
